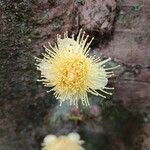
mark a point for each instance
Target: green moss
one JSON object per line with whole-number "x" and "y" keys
{"x": 125, "y": 124}
{"x": 18, "y": 74}
{"x": 43, "y": 18}
{"x": 80, "y": 2}
{"x": 137, "y": 7}
{"x": 56, "y": 23}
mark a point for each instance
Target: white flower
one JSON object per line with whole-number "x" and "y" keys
{"x": 71, "y": 73}
{"x": 70, "y": 142}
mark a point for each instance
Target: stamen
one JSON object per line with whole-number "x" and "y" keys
{"x": 110, "y": 72}
{"x": 45, "y": 55}
{"x": 66, "y": 34}
{"x": 58, "y": 37}
{"x": 49, "y": 52}
{"x": 109, "y": 88}
{"x": 56, "y": 46}
{"x": 87, "y": 101}
{"x": 96, "y": 93}
{"x": 73, "y": 36}
{"x": 38, "y": 59}
{"x": 88, "y": 44}
{"x": 79, "y": 36}
{"x": 71, "y": 102}
{"x": 81, "y": 41}
{"x": 52, "y": 48}
{"x": 112, "y": 68}
{"x": 84, "y": 42}
{"x": 86, "y": 54}
{"x": 76, "y": 102}
{"x": 104, "y": 61}
{"x": 82, "y": 102}
{"x": 108, "y": 76}
{"x": 105, "y": 92}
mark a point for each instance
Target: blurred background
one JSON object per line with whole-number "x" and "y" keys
{"x": 27, "y": 113}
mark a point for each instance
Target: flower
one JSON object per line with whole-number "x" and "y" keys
{"x": 70, "y": 142}
{"x": 71, "y": 73}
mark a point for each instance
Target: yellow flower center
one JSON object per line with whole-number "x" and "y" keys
{"x": 73, "y": 74}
